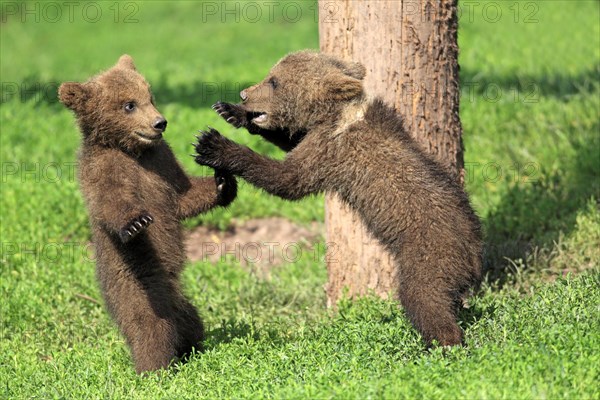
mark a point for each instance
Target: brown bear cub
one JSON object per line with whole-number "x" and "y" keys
{"x": 338, "y": 140}
{"x": 137, "y": 194}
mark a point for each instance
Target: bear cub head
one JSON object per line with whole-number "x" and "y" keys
{"x": 304, "y": 90}
{"x": 115, "y": 108}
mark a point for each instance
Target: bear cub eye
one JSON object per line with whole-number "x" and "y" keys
{"x": 273, "y": 82}
{"x": 129, "y": 106}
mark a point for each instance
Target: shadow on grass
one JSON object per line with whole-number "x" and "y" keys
{"x": 528, "y": 88}
{"x": 470, "y": 316}
{"x": 195, "y": 94}
{"x": 31, "y": 89}
{"x": 229, "y": 331}
{"x": 534, "y": 214}
{"x": 232, "y": 330}
{"x": 203, "y": 94}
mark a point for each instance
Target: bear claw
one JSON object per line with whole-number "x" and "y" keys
{"x": 134, "y": 227}
{"x": 210, "y": 148}
{"x": 228, "y": 113}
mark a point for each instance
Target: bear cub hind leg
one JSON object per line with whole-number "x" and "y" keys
{"x": 432, "y": 314}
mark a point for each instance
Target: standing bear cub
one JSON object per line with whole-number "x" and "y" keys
{"x": 136, "y": 194}
{"x": 339, "y": 141}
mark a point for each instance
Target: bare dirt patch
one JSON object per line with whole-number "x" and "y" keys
{"x": 264, "y": 242}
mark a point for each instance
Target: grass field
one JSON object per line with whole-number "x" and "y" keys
{"x": 530, "y": 110}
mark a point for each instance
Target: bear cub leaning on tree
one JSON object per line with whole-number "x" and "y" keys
{"x": 136, "y": 194}
{"x": 338, "y": 140}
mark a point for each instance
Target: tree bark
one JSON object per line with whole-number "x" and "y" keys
{"x": 410, "y": 51}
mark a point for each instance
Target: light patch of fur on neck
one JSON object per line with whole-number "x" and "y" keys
{"x": 351, "y": 114}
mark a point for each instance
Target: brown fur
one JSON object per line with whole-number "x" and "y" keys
{"x": 136, "y": 194}
{"x": 339, "y": 141}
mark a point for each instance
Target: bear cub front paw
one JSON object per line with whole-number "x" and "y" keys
{"x": 211, "y": 149}
{"x": 226, "y": 187}
{"x": 231, "y": 113}
{"x": 134, "y": 227}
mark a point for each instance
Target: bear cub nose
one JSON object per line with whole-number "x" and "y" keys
{"x": 160, "y": 125}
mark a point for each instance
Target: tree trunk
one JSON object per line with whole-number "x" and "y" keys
{"x": 410, "y": 51}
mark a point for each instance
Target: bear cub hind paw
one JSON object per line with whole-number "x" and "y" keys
{"x": 134, "y": 227}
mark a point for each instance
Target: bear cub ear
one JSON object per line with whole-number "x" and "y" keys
{"x": 73, "y": 95}
{"x": 125, "y": 61}
{"x": 355, "y": 70}
{"x": 343, "y": 87}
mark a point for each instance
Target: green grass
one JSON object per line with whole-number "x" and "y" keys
{"x": 530, "y": 109}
